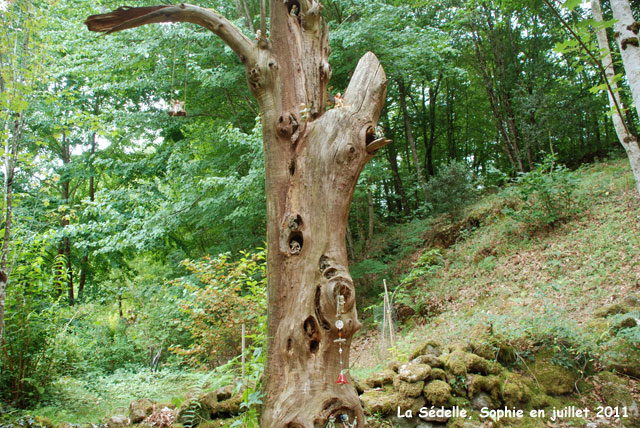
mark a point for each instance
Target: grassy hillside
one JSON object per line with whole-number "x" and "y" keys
{"x": 570, "y": 289}
{"x": 489, "y": 269}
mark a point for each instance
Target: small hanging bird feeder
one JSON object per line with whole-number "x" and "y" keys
{"x": 177, "y": 107}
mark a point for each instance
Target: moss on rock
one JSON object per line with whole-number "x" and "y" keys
{"x": 438, "y": 374}
{"x": 437, "y": 392}
{"x": 552, "y": 378}
{"x": 407, "y": 389}
{"x": 488, "y": 384}
{"x": 414, "y": 372}
{"x": 380, "y": 379}
{"x": 623, "y": 358}
{"x": 460, "y": 363}
{"x": 430, "y": 347}
{"x": 609, "y": 310}
{"x": 514, "y": 390}
{"x": 230, "y": 406}
{"x": 428, "y": 359}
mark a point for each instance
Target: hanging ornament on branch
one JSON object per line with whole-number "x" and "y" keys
{"x": 342, "y": 378}
{"x": 178, "y": 107}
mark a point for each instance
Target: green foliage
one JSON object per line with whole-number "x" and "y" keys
{"x": 546, "y": 194}
{"x": 224, "y": 295}
{"x": 427, "y": 264}
{"x": 31, "y": 353}
{"x": 451, "y": 188}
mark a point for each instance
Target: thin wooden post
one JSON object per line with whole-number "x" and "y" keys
{"x": 243, "y": 349}
{"x": 388, "y": 313}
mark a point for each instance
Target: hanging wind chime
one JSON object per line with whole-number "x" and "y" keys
{"x": 342, "y": 378}
{"x": 177, "y": 107}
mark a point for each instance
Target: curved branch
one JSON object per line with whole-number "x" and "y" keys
{"x": 130, "y": 17}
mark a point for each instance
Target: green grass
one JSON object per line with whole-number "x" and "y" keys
{"x": 525, "y": 285}
{"x": 95, "y": 396}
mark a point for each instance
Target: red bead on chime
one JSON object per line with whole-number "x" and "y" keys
{"x": 342, "y": 379}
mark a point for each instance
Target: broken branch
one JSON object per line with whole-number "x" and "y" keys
{"x": 126, "y": 17}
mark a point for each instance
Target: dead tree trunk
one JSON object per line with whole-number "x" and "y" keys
{"x": 313, "y": 158}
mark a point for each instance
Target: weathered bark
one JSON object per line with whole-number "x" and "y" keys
{"x": 312, "y": 164}
{"x": 627, "y": 29}
{"x": 409, "y": 134}
{"x": 626, "y": 138}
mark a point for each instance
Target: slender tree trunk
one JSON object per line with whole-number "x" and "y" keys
{"x": 10, "y": 155}
{"x": 92, "y": 195}
{"x": 451, "y": 129}
{"x": 371, "y": 219}
{"x": 626, "y": 138}
{"x": 392, "y": 157}
{"x": 627, "y": 29}
{"x": 409, "y": 134}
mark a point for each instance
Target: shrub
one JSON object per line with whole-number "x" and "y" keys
{"x": 547, "y": 195}
{"x": 451, "y": 188}
{"x": 30, "y": 356}
{"x": 225, "y": 295}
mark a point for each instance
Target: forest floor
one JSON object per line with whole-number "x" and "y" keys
{"x": 484, "y": 272}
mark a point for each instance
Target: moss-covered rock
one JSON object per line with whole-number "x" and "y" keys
{"x": 394, "y": 365}
{"x": 598, "y": 325}
{"x": 428, "y": 359}
{"x": 407, "y": 389}
{"x": 209, "y": 401}
{"x": 552, "y": 378}
{"x": 626, "y": 321}
{"x": 430, "y": 347}
{"x": 482, "y": 400}
{"x": 609, "y": 310}
{"x": 484, "y": 350}
{"x": 414, "y": 372}
{"x": 225, "y": 392}
{"x": 359, "y": 386}
{"x": 230, "y": 406}
{"x": 216, "y": 423}
{"x": 487, "y": 384}
{"x": 616, "y": 392}
{"x": 117, "y": 421}
{"x": 379, "y": 401}
{"x": 140, "y": 409}
{"x": 623, "y": 358}
{"x": 460, "y": 363}
{"x": 380, "y": 379}
{"x": 632, "y": 301}
{"x": 506, "y": 354}
{"x": 437, "y": 392}
{"x": 437, "y": 374}
{"x": 514, "y": 390}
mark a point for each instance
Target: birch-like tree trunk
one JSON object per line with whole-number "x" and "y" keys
{"x": 626, "y": 31}
{"x": 626, "y": 138}
{"x": 312, "y": 163}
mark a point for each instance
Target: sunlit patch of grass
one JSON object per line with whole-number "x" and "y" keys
{"x": 95, "y": 396}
